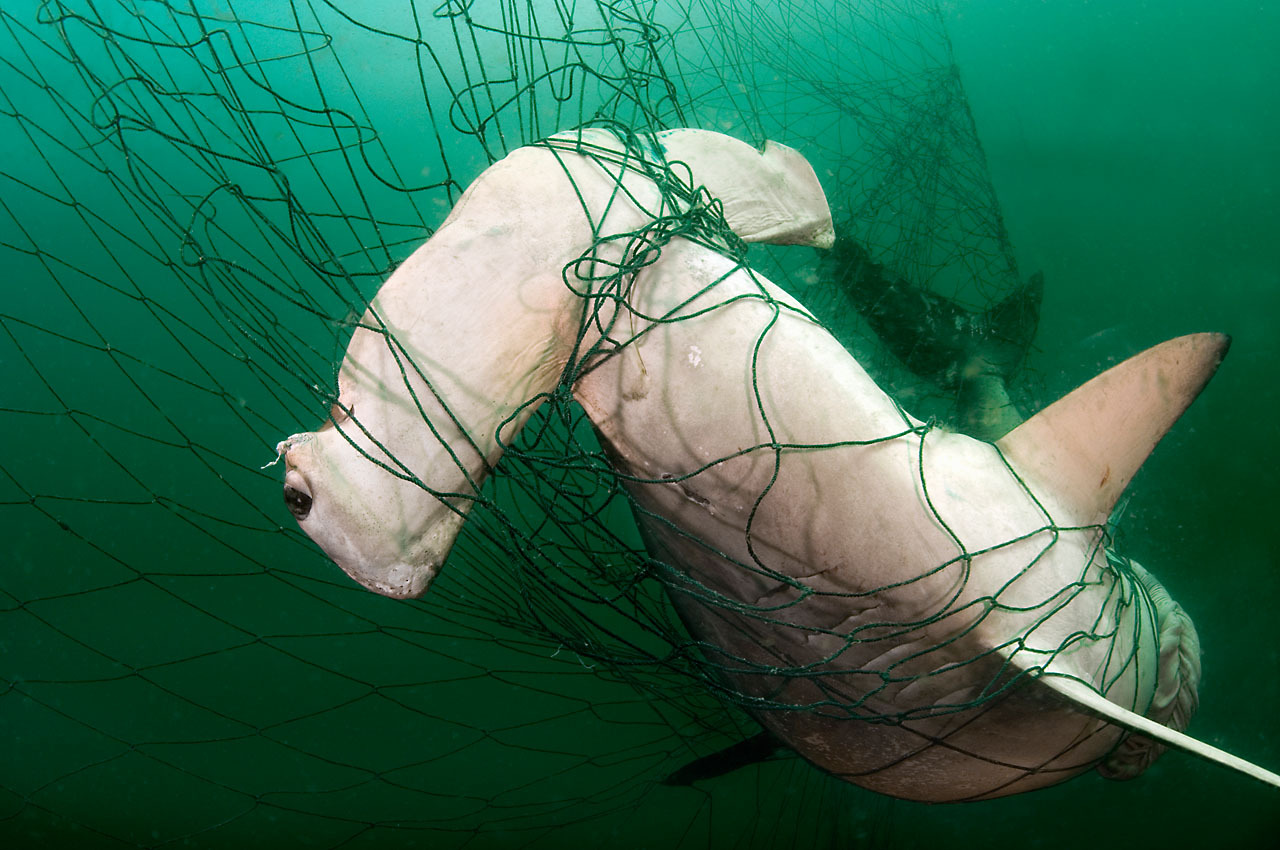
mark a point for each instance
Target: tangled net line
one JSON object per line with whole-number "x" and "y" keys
{"x": 653, "y": 641}
{"x": 204, "y": 199}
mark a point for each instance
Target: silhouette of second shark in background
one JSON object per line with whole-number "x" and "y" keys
{"x": 971, "y": 355}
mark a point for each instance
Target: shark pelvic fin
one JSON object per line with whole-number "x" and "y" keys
{"x": 1089, "y": 700}
{"x": 1088, "y": 445}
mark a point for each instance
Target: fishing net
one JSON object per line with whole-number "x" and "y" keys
{"x": 199, "y": 202}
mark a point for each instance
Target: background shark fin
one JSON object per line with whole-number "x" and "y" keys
{"x": 1095, "y": 703}
{"x": 760, "y": 747}
{"x": 1009, "y": 327}
{"x": 769, "y": 196}
{"x": 1088, "y": 445}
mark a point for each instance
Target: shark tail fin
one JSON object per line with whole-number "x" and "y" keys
{"x": 768, "y": 196}
{"x": 1088, "y": 445}
{"x": 1089, "y": 700}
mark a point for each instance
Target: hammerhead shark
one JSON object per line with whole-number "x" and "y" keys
{"x": 913, "y": 610}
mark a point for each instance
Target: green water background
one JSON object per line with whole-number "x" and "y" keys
{"x": 1134, "y": 152}
{"x": 1134, "y": 149}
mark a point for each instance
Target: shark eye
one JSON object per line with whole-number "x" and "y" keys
{"x": 298, "y": 501}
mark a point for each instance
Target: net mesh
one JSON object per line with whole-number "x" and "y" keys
{"x": 199, "y": 202}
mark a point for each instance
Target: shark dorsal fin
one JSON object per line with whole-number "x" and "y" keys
{"x": 1087, "y": 446}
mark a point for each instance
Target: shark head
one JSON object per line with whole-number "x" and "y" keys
{"x": 478, "y": 324}
{"x": 389, "y": 534}
{"x": 376, "y": 489}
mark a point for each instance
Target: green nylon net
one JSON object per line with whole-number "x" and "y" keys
{"x": 199, "y": 201}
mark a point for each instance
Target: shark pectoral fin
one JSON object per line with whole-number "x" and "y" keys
{"x": 768, "y": 196}
{"x": 1088, "y": 445}
{"x": 1089, "y": 700}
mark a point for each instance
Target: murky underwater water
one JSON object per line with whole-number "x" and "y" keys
{"x": 182, "y": 667}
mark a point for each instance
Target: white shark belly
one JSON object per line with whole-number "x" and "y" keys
{"x": 863, "y": 609}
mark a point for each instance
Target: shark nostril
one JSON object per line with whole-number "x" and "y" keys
{"x": 299, "y": 502}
